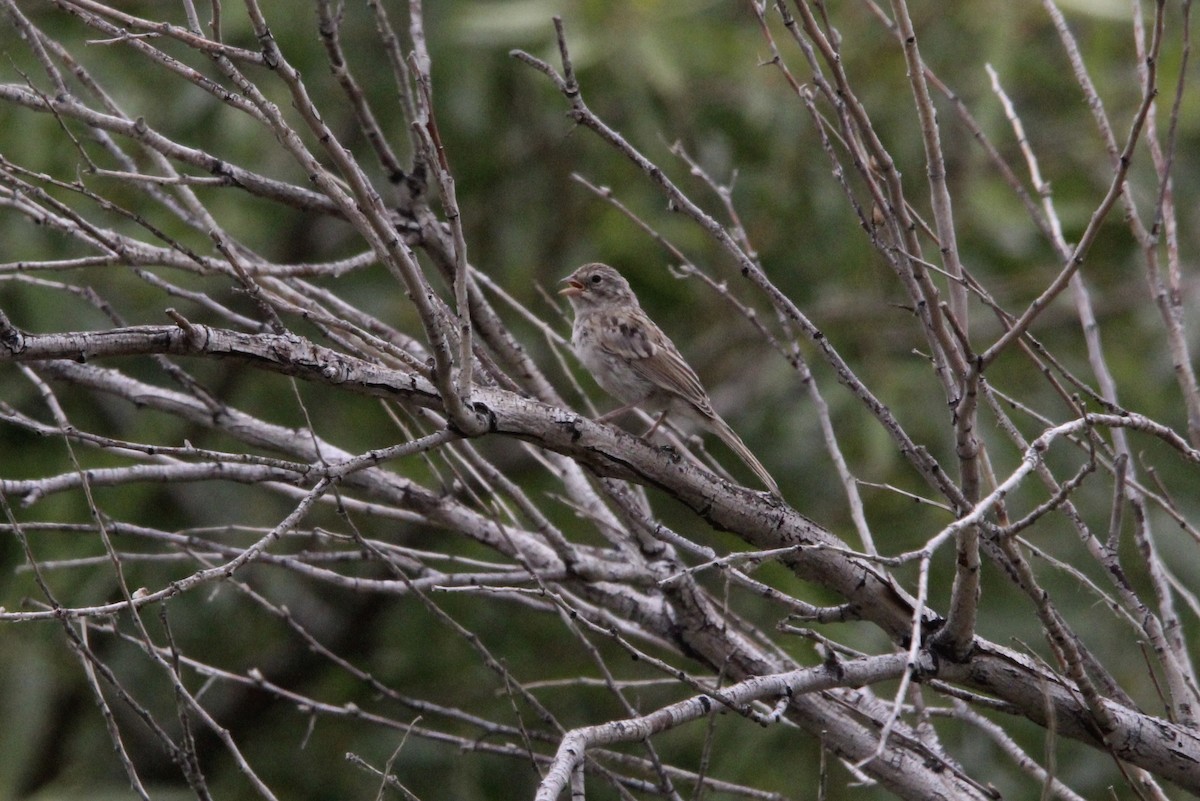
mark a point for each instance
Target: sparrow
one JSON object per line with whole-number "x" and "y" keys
{"x": 634, "y": 361}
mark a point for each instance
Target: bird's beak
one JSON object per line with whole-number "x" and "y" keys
{"x": 572, "y": 289}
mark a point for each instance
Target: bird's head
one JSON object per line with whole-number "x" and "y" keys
{"x": 596, "y": 284}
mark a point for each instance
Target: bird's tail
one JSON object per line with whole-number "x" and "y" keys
{"x": 730, "y": 438}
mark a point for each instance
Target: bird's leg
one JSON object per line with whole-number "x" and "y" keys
{"x": 657, "y": 422}
{"x": 615, "y": 413}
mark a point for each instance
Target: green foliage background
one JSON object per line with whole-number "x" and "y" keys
{"x": 659, "y": 72}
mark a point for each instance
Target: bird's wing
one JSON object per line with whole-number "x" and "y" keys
{"x": 653, "y": 356}
{"x": 628, "y": 336}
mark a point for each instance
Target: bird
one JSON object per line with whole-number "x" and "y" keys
{"x": 634, "y": 361}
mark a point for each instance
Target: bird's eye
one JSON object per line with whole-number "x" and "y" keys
{"x": 596, "y": 279}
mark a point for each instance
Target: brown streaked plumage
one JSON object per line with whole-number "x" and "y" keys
{"x": 634, "y": 361}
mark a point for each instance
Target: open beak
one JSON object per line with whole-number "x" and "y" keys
{"x": 572, "y": 289}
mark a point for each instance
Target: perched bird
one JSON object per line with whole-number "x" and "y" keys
{"x": 635, "y": 362}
